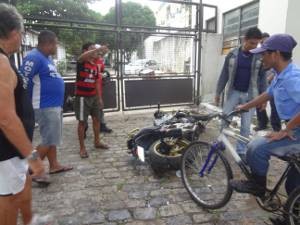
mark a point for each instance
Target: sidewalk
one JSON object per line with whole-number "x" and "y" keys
{"x": 110, "y": 187}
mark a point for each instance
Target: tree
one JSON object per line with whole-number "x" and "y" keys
{"x": 66, "y": 9}
{"x": 63, "y": 9}
{"x": 133, "y": 14}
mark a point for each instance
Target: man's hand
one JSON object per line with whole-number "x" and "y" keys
{"x": 37, "y": 167}
{"x": 276, "y": 136}
{"x": 241, "y": 107}
{"x": 217, "y": 100}
{"x": 102, "y": 50}
{"x": 262, "y": 106}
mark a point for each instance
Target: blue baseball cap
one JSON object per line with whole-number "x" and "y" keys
{"x": 277, "y": 42}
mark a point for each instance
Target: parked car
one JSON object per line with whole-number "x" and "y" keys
{"x": 139, "y": 65}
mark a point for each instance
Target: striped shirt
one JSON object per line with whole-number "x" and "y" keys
{"x": 87, "y": 75}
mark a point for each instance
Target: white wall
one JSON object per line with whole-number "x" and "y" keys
{"x": 280, "y": 16}
{"x": 212, "y": 62}
{"x": 292, "y": 26}
{"x": 272, "y": 15}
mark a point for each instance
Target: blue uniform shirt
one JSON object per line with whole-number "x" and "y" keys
{"x": 46, "y": 86}
{"x": 285, "y": 89}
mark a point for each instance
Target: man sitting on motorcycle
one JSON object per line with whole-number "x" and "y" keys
{"x": 285, "y": 89}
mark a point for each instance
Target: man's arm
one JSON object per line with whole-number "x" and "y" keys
{"x": 10, "y": 123}
{"x": 222, "y": 81}
{"x": 86, "y": 56}
{"x": 259, "y": 100}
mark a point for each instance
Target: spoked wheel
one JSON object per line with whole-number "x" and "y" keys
{"x": 159, "y": 161}
{"x": 207, "y": 181}
{"x": 293, "y": 207}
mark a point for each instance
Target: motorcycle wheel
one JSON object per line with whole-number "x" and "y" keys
{"x": 160, "y": 162}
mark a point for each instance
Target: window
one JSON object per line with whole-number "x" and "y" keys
{"x": 209, "y": 18}
{"x": 236, "y": 22}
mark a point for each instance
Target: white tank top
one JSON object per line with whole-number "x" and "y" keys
{"x": 13, "y": 175}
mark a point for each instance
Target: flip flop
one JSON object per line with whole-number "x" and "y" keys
{"x": 101, "y": 145}
{"x": 61, "y": 170}
{"x": 42, "y": 181}
{"x": 83, "y": 155}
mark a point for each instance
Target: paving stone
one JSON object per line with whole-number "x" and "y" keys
{"x": 179, "y": 220}
{"x": 93, "y": 218}
{"x": 144, "y": 213}
{"x": 158, "y": 201}
{"x": 170, "y": 210}
{"x": 118, "y": 215}
{"x": 138, "y": 194}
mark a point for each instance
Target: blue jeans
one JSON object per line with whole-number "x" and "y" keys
{"x": 260, "y": 150}
{"x": 234, "y": 99}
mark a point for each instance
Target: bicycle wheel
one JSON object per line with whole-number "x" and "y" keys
{"x": 292, "y": 207}
{"x": 210, "y": 190}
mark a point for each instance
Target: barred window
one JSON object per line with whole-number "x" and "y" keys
{"x": 236, "y": 22}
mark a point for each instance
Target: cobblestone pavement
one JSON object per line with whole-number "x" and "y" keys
{"x": 110, "y": 187}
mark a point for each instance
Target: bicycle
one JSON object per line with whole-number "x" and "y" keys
{"x": 206, "y": 173}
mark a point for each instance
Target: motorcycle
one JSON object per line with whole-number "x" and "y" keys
{"x": 163, "y": 144}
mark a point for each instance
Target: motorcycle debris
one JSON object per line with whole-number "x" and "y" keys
{"x": 178, "y": 173}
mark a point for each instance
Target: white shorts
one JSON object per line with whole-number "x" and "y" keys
{"x": 13, "y": 175}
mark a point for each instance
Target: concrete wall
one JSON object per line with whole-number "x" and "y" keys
{"x": 212, "y": 62}
{"x": 272, "y": 15}
{"x": 292, "y": 26}
{"x": 280, "y": 16}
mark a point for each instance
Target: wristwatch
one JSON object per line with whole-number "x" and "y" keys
{"x": 33, "y": 156}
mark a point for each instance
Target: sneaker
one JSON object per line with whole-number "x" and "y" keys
{"x": 247, "y": 186}
{"x": 41, "y": 181}
{"x": 105, "y": 129}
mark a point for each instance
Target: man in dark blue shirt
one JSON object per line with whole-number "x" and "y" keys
{"x": 244, "y": 77}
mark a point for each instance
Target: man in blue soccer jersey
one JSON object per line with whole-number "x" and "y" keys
{"x": 46, "y": 88}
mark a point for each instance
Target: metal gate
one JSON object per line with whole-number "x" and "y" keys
{"x": 148, "y": 64}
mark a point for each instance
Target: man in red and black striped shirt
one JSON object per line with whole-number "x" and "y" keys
{"x": 87, "y": 100}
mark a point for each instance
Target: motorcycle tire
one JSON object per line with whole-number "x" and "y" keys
{"x": 160, "y": 162}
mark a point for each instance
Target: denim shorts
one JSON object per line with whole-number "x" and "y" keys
{"x": 50, "y": 125}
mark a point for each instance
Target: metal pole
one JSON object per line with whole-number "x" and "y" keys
{"x": 200, "y": 27}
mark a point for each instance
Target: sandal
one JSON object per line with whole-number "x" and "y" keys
{"x": 101, "y": 145}
{"x": 42, "y": 181}
{"x": 83, "y": 155}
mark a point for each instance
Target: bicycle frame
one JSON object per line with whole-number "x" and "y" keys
{"x": 223, "y": 138}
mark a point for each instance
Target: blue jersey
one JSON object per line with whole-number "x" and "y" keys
{"x": 46, "y": 86}
{"x": 285, "y": 89}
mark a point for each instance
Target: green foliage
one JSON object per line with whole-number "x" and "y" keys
{"x": 133, "y": 14}
{"x": 67, "y": 9}
{"x": 61, "y": 67}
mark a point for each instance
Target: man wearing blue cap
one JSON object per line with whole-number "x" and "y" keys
{"x": 285, "y": 90}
